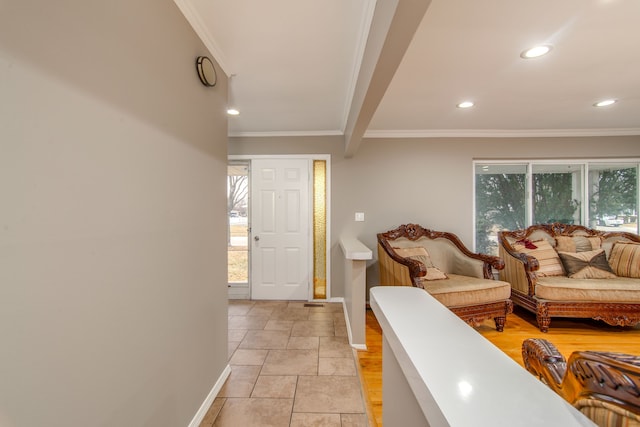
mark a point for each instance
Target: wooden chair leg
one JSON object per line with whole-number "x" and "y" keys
{"x": 543, "y": 318}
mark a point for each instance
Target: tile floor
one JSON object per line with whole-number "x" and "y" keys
{"x": 291, "y": 365}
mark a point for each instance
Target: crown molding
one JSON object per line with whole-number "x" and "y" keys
{"x": 453, "y": 133}
{"x": 499, "y": 133}
{"x": 193, "y": 17}
{"x": 285, "y": 133}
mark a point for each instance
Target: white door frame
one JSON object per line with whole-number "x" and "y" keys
{"x": 310, "y": 158}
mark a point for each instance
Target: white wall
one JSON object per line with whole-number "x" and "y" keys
{"x": 112, "y": 216}
{"x": 425, "y": 181}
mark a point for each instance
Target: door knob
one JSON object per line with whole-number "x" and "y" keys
{"x": 256, "y": 238}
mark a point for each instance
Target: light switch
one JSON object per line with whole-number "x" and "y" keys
{"x": 360, "y": 216}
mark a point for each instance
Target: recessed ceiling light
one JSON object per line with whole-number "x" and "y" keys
{"x": 233, "y": 112}
{"x": 605, "y": 102}
{"x": 465, "y": 104}
{"x": 536, "y": 51}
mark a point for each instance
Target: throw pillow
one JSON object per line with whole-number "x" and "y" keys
{"x": 546, "y": 255}
{"x": 421, "y": 254}
{"x": 577, "y": 243}
{"x": 596, "y": 242}
{"x": 625, "y": 259}
{"x": 414, "y": 252}
{"x": 434, "y": 273}
{"x": 586, "y": 265}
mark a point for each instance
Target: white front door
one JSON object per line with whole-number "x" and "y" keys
{"x": 280, "y": 229}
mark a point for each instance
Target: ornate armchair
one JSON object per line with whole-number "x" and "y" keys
{"x": 604, "y": 386}
{"x": 441, "y": 264}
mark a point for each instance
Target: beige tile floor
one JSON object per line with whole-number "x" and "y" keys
{"x": 291, "y": 365}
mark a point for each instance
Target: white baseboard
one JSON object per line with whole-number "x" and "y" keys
{"x": 346, "y": 318}
{"x": 199, "y": 416}
{"x": 349, "y": 333}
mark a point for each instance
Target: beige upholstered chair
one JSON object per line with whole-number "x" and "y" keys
{"x": 439, "y": 263}
{"x": 603, "y": 386}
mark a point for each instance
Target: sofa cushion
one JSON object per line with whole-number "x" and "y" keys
{"x": 562, "y": 288}
{"x": 586, "y": 265}
{"x": 546, "y": 255}
{"x": 625, "y": 259}
{"x": 577, "y": 243}
{"x": 464, "y": 290}
{"x": 420, "y": 254}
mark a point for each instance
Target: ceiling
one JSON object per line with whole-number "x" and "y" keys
{"x": 395, "y": 68}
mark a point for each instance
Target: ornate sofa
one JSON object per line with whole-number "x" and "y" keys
{"x": 439, "y": 263}
{"x": 560, "y": 270}
{"x": 603, "y": 386}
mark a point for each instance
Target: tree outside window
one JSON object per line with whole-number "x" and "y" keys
{"x": 500, "y": 203}
{"x": 557, "y": 192}
{"x": 613, "y": 191}
{"x": 505, "y": 199}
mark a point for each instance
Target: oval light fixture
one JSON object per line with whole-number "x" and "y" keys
{"x": 206, "y": 71}
{"x": 605, "y": 102}
{"x": 465, "y": 104}
{"x": 536, "y": 51}
{"x": 232, "y": 112}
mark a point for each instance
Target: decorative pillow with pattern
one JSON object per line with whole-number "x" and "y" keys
{"x": 578, "y": 243}
{"x": 587, "y": 265}
{"x": 625, "y": 259}
{"x": 546, "y": 255}
{"x": 421, "y": 254}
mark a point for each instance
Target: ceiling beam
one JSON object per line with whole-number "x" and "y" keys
{"x": 392, "y": 29}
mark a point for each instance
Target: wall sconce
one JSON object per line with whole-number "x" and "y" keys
{"x": 206, "y": 71}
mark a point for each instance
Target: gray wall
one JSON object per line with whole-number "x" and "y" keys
{"x": 113, "y": 156}
{"x": 425, "y": 181}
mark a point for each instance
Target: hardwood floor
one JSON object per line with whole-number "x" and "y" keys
{"x": 568, "y": 335}
{"x": 370, "y": 369}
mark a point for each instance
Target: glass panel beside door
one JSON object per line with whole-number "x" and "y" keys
{"x": 238, "y": 228}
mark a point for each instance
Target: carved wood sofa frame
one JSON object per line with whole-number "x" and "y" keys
{"x": 413, "y": 270}
{"x": 611, "y": 379}
{"x": 612, "y": 313}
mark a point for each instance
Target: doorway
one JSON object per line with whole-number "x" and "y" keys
{"x": 280, "y": 229}
{"x": 283, "y": 237}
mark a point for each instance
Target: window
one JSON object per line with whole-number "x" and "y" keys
{"x": 238, "y": 229}
{"x": 514, "y": 195}
{"x": 613, "y": 197}
{"x": 557, "y": 193}
{"x": 500, "y": 202}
